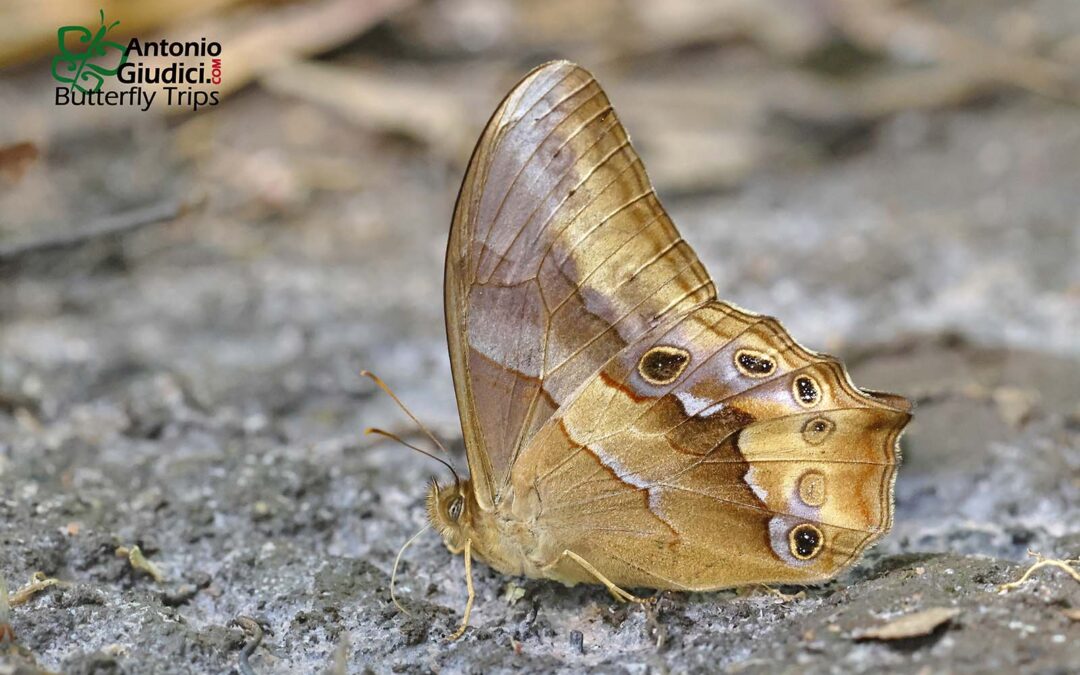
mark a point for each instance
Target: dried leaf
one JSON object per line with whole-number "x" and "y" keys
{"x": 430, "y": 114}
{"x": 788, "y": 29}
{"x": 15, "y": 159}
{"x": 29, "y": 29}
{"x": 1072, "y": 614}
{"x": 909, "y": 35}
{"x": 1015, "y": 405}
{"x": 295, "y": 31}
{"x": 915, "y": 625}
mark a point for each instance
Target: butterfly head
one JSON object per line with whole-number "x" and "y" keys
{"x": 449, "y": 511}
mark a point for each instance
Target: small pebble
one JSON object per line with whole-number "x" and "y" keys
{"x": 577, "y": 641}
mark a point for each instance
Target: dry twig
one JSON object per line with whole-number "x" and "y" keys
{"x": 139, "y": 562}
{"x": 112, "y": 226}
{"x": 1040, "y": 562}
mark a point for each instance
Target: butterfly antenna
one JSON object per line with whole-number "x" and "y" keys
{"x": 394, "y": 437}
{"x": 382, "y": 385}
{"x": 397, "y": 561}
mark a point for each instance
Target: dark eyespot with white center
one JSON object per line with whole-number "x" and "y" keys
{"x": 806, "y": 541}
{"x": 806, "y": 391}
{"x": 816, "y": 430}
{"x": 456, "y": 508}
{"x": 753, "y": 363}
{"x": 663, "y": 364}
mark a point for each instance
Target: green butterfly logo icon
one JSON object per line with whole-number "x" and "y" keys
{"x": 79, "y": 69}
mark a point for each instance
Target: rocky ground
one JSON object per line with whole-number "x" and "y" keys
{"x": 192, "y": 387}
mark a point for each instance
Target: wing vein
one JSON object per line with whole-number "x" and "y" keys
{"x": 511, "y": 128}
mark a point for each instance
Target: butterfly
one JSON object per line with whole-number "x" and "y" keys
{"x": 622, "y": 425}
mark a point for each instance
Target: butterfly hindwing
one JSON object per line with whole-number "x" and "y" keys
{"x": 756, "y": 461}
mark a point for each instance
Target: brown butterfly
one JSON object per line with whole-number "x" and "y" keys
{"x": 622, "y": 425}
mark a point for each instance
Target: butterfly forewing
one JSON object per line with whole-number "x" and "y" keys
{"x": 560, "y": 255}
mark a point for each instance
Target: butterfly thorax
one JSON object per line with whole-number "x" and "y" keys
{"x": 505, "y": 537}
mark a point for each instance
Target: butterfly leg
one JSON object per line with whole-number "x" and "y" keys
{"x": 783, "y": 597}
{"x": 472, "y": 594}
{"x": 618, "y": 593}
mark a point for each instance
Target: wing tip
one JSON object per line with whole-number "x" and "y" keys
{"x": 558, "y": 67}
{"x": 556, "y": 64}
{"x": 895, "y": 401}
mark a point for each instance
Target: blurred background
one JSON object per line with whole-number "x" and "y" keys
{"x": 186, "y": 300}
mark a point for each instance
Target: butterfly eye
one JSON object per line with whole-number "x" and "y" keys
{"x": 663, "y": 364}
{"x": 456, "y": 507}
{"x": 806, "y": 391}
{"x": 805, "y": 541}
{"x": 754, "y": 363}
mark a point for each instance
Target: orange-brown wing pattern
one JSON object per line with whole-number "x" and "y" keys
{"x": 560, "y": 256}
{"x": 713, "y": 452}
